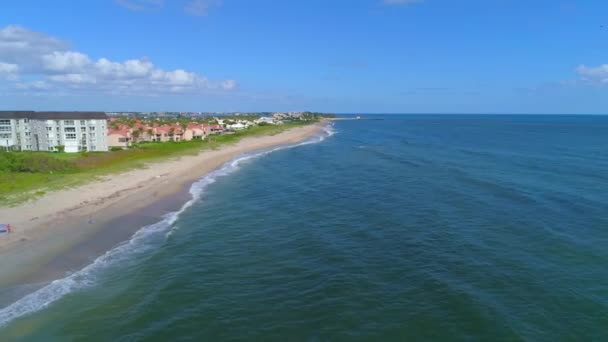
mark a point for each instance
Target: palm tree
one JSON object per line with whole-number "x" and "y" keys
{"x": 171, "y": 132}
{"x": 135, "y": 135}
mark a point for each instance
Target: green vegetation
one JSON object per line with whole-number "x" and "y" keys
{"x": 33, "y": 163}
{"x": 312, "y": 116}
{"x": 25, "y": 175}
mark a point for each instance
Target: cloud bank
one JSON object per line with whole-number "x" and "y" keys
{"x": 597, "y": 74}
{"x": 34, "y": 61}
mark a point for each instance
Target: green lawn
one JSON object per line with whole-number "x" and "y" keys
{"x": 78, "y": 168}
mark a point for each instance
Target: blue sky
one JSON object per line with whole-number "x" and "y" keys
{"x": 398, "y": 56}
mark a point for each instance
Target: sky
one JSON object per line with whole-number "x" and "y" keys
{"x": 338, "y": 56}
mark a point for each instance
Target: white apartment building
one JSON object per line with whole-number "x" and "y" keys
{"x": 45, "y": 131}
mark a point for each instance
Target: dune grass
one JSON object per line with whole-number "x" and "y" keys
{"x": 72, "y": 169}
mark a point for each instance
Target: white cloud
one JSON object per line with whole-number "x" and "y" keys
{"x": 67, "y": 61}
{"x": 73, "y": 78}
{"x": 400, "y": 2}
{"x": 140, "y": 5}
{"x": 8, "y": 69}
{"x": 201, "y": 7}
{"x": 229, "y": 84}
{"x": 24, "y": 47}
{"x": 36, "y": 85}
{"x": 133, "y": 68}
{"x": 62, "y": 68}
{"x": 594, "y": 74}
{"x": 180, "y": 77}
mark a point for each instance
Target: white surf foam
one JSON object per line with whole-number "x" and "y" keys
{"x": 144, "y": 240}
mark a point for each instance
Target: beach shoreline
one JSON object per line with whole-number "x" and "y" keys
{"x": 73, "y": 219}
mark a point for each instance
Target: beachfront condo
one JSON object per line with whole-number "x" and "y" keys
{"x": 53, "y": 131}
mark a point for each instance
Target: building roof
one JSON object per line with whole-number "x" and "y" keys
{"x": 15, "y": 114}
{"x": 167, "y": 129}
{"x": 53, "y": 115}
{"x": 122, "y": 132}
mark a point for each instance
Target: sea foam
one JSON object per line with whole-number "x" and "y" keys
{"x": 145, "y": 241}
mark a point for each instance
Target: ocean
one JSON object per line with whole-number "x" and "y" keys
{"x": 416, "y": 227}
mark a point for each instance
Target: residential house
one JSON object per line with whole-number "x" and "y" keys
{"x": 161, "y": 133}
{"x": 196, "y": 131}
{"x": 176, "y": 132}
{"x": 172, "y": 132}
{"x": 265, "y": 119}
{"x": 216, "y": 129}
{"x": 237, "y": 126}
{"x": 119, "y": 137}
{"x": 140, "y": 132}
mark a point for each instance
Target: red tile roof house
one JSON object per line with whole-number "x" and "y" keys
{"x": 161, "y": 133}
{"x": 216, "y": 129}
{"x": 178, "y": 133}
{"x": 119, "y": 137}
{"x": 125, "y": 136}
{"x": 169, "y": 133}
{"x": 141, "y": 132}
{"x": 196, "y": 131}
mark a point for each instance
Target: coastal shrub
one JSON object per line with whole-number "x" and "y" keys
{"x": 33, "y": 163}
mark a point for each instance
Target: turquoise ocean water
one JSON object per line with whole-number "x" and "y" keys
{"x": 417, "y": 227}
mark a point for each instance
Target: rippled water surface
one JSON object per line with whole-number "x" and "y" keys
{"x": 415, "y": 227}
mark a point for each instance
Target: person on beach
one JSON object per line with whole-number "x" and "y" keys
{"x": 5, "y": 228}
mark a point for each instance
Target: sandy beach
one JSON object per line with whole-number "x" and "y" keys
{"x": 46, "y": 227}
